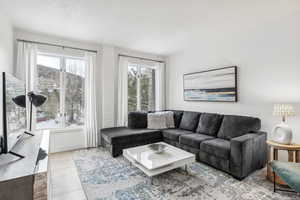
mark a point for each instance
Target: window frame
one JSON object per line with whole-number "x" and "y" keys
{"x": 62, "y": 100}
{"x": 139, "y": 66}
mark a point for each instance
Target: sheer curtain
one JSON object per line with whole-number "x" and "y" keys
{"x": 122, "y": 108}
{"x": 160, "y": 92}
{"x": 91, "y": 108}
{"x": 122, "y": 91}
{"x": 26, "y": 70}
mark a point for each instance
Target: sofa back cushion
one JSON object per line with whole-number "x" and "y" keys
{"x": 137, "y": 120}
{"x": 177, "y": 114}
{"x": 189, "y": 120}
{"x": 235, "y": 126}
{"x": 209, "y": 124}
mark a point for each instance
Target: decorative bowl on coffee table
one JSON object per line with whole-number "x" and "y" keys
{"x": 157, "y": 148}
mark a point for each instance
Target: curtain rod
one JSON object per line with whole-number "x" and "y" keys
{"x": 141, "y": 58}
{"x": 56, "y": 45}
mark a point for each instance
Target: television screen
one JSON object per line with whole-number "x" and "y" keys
{"x": 14, "y": 111}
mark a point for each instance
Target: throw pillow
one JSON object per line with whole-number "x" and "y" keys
{"x": 161, "y": 120}
{"x": 170, "y": 119}
{"x": 157, "y": 121}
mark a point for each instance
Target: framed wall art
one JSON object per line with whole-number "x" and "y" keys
{"x": 217, "y": 85}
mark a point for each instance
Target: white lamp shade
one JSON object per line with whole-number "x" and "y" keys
{"x": 283, "y": 110}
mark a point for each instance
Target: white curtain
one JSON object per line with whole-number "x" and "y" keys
{"x": 122, "y": 91}
{"x": 122, "y": 109}
{"x": 26, "y": 70}
{"x": 91, "y": 115}
{"x": 160, "y": 92}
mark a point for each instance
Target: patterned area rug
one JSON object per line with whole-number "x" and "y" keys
{"x": 107, "y": 178}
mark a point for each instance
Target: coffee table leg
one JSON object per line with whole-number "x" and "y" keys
{"x": 151, "y": 180}
{"x": 186, "y": 169}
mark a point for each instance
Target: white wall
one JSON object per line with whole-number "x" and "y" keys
{"x": 66, "y": 140}
{"x": 6, "y": 54}
{"x": 267, "y": 56}
{"x": 6, "y": 45}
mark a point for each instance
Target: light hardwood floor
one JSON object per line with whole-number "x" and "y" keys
{"x": 64, "y": 179}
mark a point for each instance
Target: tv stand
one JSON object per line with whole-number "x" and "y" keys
{"x": 26, "y": 178}
{"x": 16, "y": 154}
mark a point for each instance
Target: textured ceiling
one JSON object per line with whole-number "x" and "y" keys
{"x": 161, "y": 27}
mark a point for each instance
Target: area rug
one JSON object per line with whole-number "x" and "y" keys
{"x": 107, "y": 178}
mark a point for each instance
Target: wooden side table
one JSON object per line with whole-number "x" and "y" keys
{"x": 293, "y": 156}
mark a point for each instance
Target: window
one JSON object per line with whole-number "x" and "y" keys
{"x": 141, "y": 87}
{"x": 61, "y": 79}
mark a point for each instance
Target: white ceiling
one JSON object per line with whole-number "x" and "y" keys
{"x": 154, "y": 26}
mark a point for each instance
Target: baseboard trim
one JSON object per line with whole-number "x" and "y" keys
{"x": 70, "y": 148}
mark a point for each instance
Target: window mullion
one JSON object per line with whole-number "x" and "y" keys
{"x": 138, "y": 90}
{"x": 63, "y": 87}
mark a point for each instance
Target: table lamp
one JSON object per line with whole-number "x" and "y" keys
{"x": 282, "y": 133}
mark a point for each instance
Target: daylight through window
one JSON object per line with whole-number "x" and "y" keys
{"x": 141, "y": 87}
{"x": 61, "y": 79}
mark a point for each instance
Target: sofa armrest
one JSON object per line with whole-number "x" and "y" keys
{"x": 248, "y": 153}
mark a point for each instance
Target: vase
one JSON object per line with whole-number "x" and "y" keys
{"x": 282, "y": 133}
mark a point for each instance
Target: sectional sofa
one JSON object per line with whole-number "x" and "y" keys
{"x": 230, "y": 143}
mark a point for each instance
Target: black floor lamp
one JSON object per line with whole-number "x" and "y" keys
{"x": 35, "y": 99}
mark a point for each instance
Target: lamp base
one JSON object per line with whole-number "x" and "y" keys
{"x": 282, "y": 134}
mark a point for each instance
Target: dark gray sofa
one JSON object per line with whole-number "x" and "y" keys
{"x": 233, "y": 144}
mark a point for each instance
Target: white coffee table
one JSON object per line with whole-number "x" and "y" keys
{"x": 154, "y": 164}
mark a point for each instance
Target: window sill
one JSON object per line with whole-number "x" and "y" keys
{"x": 63, "y": 130}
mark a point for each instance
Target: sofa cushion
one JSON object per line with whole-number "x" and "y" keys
{"x": 217, "y": 147}
{"x": 173, "y": 134}
{"x": 209, "y": 124}
{"x": 194, "y": 140}
{"x": 177, "y": 117}
{"x": 189, "y": 121}
{"x": 124, "y": 135}
{"x": 235, "y": 126}
{"x": 137, "y": 120}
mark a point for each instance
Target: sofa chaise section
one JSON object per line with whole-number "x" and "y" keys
{"x": 119, "y": 138}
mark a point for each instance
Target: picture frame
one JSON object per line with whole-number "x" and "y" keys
{"x": 214, "y": 85}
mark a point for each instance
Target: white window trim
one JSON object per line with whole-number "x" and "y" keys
{"x": 65, "y": 130}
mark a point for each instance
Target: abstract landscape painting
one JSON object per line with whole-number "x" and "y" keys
{"x": 211, "y": 85}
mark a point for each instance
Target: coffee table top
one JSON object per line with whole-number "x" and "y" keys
{"x": 151, "y": 160}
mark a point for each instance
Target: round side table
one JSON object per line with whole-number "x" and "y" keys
{"x": 293, "y": 156}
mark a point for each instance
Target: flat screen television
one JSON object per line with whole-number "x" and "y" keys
{"x": 14, "y": 111}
